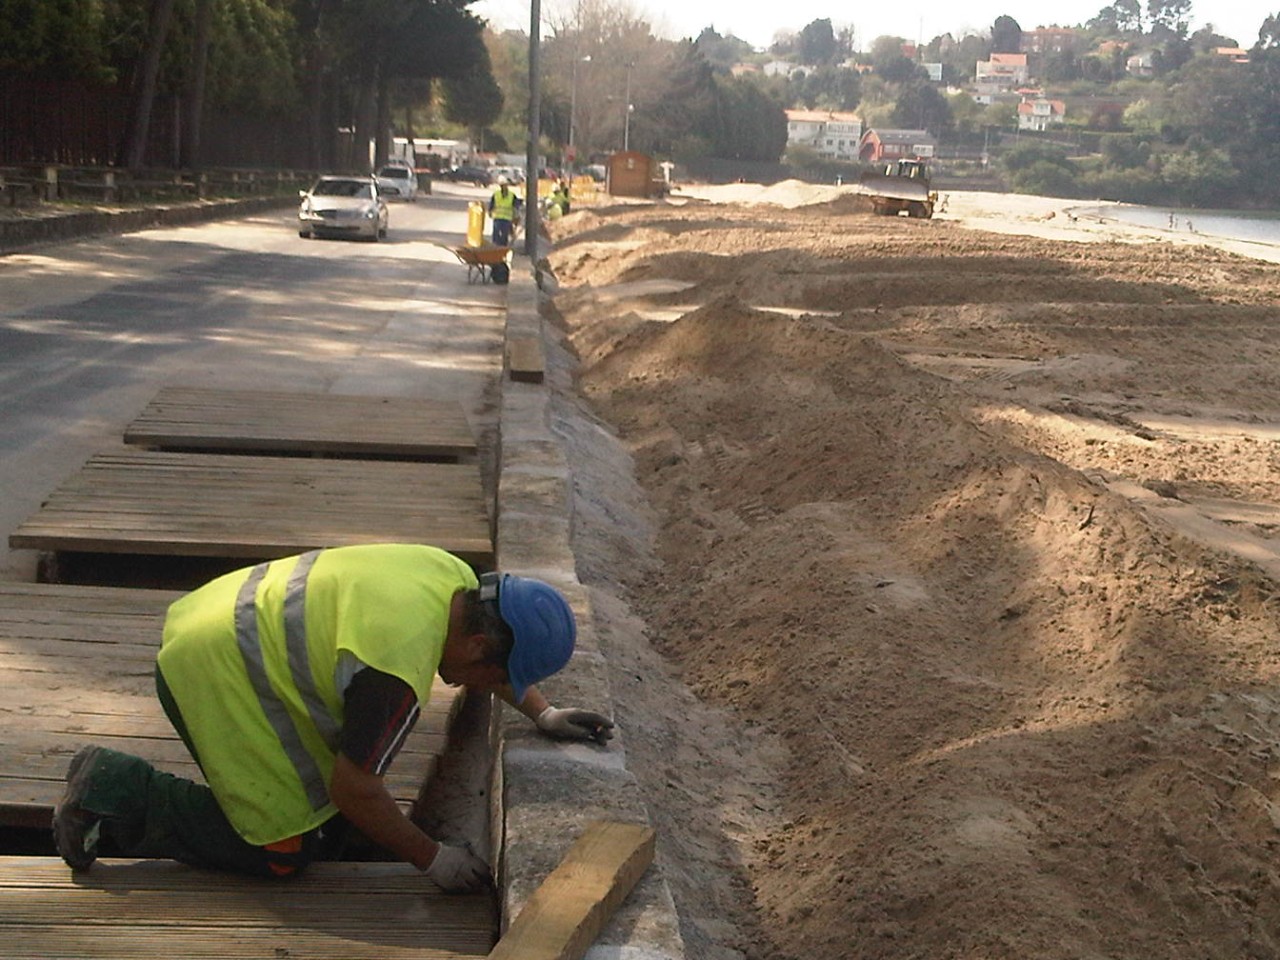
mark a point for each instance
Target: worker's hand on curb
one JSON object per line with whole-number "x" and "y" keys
{"x": 458, "y": 870}
{"x": 574, "y": 724}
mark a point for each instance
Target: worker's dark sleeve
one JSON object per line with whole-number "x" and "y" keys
{"x": 379, "y": 713}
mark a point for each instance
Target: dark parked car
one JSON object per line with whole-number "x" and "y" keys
{"x": 467, "y": 174}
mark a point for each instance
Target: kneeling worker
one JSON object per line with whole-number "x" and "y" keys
{"x": 293, "y": 685}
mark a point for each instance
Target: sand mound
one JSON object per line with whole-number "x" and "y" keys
{"x": 1001, "y": 709}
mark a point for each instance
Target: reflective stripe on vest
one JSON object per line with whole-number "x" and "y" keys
{"x": 304, "y": 765}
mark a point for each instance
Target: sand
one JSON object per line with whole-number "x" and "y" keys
{"x": 936, "y": 567}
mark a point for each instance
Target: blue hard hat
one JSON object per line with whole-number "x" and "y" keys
{"x": 544, "y": 629}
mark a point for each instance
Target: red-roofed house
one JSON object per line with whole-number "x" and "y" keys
{"x": 1040, "y": 113}
{"x": 881, "y": 145}
{"x": 1003, "y": 71}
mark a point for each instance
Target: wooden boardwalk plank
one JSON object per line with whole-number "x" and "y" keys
{"x": 256, "y": 508}
{"x": 88, "y": 677}
{"x": 262, "y": 421}
{"x": 334, "y": 911}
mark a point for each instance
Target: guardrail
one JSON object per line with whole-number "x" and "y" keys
{"x": 52, "y": 183}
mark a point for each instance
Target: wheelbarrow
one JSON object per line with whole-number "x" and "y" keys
{"x": 480, "y": 261}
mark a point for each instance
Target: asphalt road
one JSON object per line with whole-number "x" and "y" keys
{"x": 90, "y": 330}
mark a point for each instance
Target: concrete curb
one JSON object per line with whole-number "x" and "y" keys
{"x": 548, "y": 792}
{"x": 30, "y": 231}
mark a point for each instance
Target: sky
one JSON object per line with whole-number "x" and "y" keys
{"x": 756, "y": 21}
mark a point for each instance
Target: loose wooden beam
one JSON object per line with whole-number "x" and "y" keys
{"x": 525, "y": 360}
{"x": 567, "y": 912}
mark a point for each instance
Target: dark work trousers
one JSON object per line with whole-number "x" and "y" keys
{"x": 148, "y": 813}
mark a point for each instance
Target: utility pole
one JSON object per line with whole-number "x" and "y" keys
{"x": 535, "y": 134}
{"x": 573, "y": 107}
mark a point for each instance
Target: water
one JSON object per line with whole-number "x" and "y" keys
{"x": 1240, "y": 225}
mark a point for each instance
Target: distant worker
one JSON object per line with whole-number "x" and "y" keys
{"x": 504, "y": 208}
{"x": 293, "y": 685}
{"x": 561, "y": 195}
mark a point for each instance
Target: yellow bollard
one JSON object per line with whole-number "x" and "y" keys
{"x": 475, "y": 224}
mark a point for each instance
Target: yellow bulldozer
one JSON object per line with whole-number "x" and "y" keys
{"x": 902, "y": 187}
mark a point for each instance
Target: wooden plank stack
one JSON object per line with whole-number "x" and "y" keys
{"x": 77, "y": 665}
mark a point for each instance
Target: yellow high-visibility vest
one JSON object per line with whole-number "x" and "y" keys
{"x": 251, "y": 659}
{"x": 504, "y": 205}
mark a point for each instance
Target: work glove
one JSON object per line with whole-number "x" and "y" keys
{"x": 574, "y": 724}
{"x": 458, "y": 870}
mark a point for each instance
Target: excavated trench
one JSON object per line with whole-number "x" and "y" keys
{"x": 884, "y": 609}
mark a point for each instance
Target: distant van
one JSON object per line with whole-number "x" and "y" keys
{"x": 397, "y": 181}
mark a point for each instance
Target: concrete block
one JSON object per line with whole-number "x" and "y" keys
{"x": 534, "y": 453}
{"x": 537, "y": 492}
{"x": 527, "y": 541}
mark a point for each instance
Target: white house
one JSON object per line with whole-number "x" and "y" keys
{"x": 1040, "y": 113}
{"x": 1140, "y": 65}
{"x": 780, "y": 68}
{"x": 829, "y": 134}
{"x": 1004, "y": 71}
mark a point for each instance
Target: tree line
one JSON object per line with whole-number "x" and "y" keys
{"x": 327, "y": 68}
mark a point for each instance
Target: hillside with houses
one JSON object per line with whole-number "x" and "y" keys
{"x": 1127, "y": 106}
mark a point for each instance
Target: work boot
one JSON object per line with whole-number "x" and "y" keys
{"x": 75, "y": 831}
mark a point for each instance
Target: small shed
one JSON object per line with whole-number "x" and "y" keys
{"x": 631, "y": 174}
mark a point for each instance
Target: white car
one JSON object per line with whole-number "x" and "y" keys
{"x": 343, "y": 207}
{"x": 514, "y": 175}
{"x": 397, "y": 181}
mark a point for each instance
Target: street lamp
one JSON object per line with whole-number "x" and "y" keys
{"x": 626, "y": 121}
{"x": 573, "y": 107}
